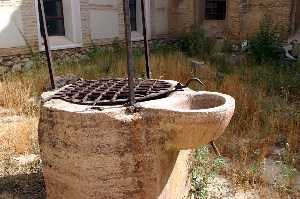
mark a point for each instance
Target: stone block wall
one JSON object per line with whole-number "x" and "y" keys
{"x": 233, "y": 19}
{"x": 297, "y": 15}
{"x": 181, "y": 15}
{"x": 244, "y": 16}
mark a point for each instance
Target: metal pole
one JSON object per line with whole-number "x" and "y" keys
{"x": 44, "y": 33}
{"x": 146, "y": 43}
{"x": 130, "y": 68}
{"x": 215, "y": 148}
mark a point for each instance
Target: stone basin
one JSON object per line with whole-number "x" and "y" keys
{"x": 113, "y": 153}
{"x": 193, "y": 118}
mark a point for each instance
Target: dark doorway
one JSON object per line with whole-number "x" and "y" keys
{"x": 54, "y": 17}
{"x": 133, "y": 13}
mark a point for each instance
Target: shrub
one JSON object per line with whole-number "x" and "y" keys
{"x": 196, "y": 43}
{"x": 265, "y": 46}
{"x": 203, "y": 172}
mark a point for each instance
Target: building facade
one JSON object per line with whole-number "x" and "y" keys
{"x": 82, "y": 23}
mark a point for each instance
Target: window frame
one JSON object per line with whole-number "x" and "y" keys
{"x": 56, "y": 18}
{"x": 213, "y": 12}
{"x": 133, "y": 20}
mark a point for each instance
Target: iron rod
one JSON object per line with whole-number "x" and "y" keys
{"x": 215, "y": 148}
{"x": 146, "y": 40}
{"x": 130, "y": 69}
{"x": 44, "y": 33}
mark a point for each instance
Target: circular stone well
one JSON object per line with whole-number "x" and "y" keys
{"x": 109, "y": 152}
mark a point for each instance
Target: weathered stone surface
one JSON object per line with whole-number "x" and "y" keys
{"x": 114, "y": 154}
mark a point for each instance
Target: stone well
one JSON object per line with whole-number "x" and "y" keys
{"x": 113, "y": 153}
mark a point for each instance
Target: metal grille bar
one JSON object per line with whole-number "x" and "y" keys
{"x": 113, "y": 91}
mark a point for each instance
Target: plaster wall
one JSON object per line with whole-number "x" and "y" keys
{"x": 104, "y": 24}
{"x": 11, "y": 26}
{"x": 18, "y": 32}
{"x": 104, "y": 20}
{"x": 72, "y": 20}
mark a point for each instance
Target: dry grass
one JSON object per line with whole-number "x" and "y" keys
{"x": 19, "y": 134}
{"x": 262, "y": 118}
{"x": 18, "y": 89}
{"x": 15, "y": 95}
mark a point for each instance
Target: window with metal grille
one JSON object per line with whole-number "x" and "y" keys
{"x": 133, "y": 21}
{"x": 54, "y": 17}
{"x": 215, "y": 9}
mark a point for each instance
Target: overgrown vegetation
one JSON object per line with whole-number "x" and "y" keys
{"x": 265, "y": 46}
{"x": 267, "y": 96}
{"x": 203, "y": 172}
{"x": 196, "y": 43}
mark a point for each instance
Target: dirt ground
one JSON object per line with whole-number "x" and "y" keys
{"x": 20, "y": 169}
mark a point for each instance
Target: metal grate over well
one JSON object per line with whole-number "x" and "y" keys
{"x": 113, "y": 91}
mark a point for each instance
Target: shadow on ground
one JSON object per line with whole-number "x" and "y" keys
{"x": 25, "y": 186}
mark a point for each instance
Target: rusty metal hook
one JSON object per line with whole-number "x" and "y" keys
{"x": 194, "y": 79}
{"x": 214, "y": 146}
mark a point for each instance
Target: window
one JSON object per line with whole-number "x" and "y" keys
{"x": 215, "y": 9}
{"x": 54, "y": 17}
{"x": 133, "y": 13}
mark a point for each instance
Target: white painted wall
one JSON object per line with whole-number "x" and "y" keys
{"x": 71, "y": 9}
{"x": 11, "y": 27}
{"x": 104, "y": 22}
{"x": 103, "y": 2}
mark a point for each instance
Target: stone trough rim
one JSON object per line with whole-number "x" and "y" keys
{"x": 229, "y": 103}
